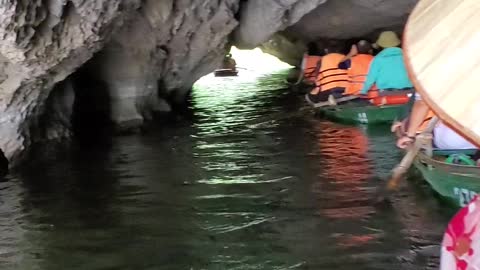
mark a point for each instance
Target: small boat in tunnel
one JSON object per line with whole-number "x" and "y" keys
{"x": 229, "y": 67}
{"x": 225, "y": 72}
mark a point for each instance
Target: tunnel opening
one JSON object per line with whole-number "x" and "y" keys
{"x": 257, "y": 61}
{"x": 257, "y": 71}
{"x": 249, "y": 64}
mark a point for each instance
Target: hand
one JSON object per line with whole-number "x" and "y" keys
{"x": 396, "y": 126}
{"x": 353, "y": 50}
{"x": 404, "y": 141}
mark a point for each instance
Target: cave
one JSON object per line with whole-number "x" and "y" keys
{"x": 128, "y": 61}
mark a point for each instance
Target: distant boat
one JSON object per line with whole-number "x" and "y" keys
{"x": 225, "y": 72}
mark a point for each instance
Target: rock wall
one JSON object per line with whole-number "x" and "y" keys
{"x": 288, "y": 50}
{"x": 42, "y": 43}
{"x": 164, "y": 49}
{"x": 132, "y": 59}
{"x": 261, "y": 19}
{"x": 344, "y": 19}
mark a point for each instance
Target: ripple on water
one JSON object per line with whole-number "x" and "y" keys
{"x": 250, "y": 183}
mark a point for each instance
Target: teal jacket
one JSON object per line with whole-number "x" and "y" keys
{"x": 387, "y": 71}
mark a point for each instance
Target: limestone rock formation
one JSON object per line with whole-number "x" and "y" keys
{"x": 42, "y": 43}
{"x": 261, "y": 19}
{"x": 288, "y": 50}
{"x": 343, "y": 19}
{"x": 309, "y": 20}
{"x": 155, "y": 44}
{"x": 167, "y": 45}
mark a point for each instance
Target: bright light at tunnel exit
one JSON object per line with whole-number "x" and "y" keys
{"x": 257, "y": 61}
{"x": 250, "y": 65}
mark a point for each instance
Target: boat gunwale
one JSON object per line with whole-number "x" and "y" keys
{"x": 359, "y": 108}
{"x": 456, "y": 169}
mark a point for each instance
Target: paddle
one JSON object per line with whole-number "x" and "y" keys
{"x": 399, "y": 171}
{"x": 333, "y": 102}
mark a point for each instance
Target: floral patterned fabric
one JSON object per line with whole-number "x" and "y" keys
{"x": 461, "y": 242}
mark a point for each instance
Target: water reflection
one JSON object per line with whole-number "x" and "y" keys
{"x": 345, "y": 173}
{"x": 250, "y": 183}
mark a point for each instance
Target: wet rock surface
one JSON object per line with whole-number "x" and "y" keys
{"x": 41, "y": 45}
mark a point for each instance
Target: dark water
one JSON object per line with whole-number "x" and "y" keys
{"x": 250, "y": 182}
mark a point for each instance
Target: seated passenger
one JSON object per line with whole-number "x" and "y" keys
{"x": 443, "y": 136}
{"x": 357, "y": 62}
{"x": 387, "y": 70}
{"x": 229, "y": 62}
{"x": 310, "y": 63}
{"x": 330, "y": 80}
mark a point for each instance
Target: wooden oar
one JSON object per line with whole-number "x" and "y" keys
{"x": 333, "y": 102}
{"x": 300, "y": 78}
{"x": 399, "y": 171}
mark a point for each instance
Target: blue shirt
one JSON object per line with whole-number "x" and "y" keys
{"x": 387, "y": 71}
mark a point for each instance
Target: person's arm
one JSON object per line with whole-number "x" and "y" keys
{"x": 304, "y": 62}
{"x": 417, "y": 116}
{"x": 371, "y": 77}
{"x": 318, "y": 77}
{"x": 353, "y": 51}
{"x": 419, "y": 112}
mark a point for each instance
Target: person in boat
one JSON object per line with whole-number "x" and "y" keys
{"x": 229, "y": 63}
{"x": 387, "y": 70}
{"x": 443, "y": 136}
{"x": 357, "y": 62}
{"x": 330, "y": 80}
{"x": 310, "y": 64}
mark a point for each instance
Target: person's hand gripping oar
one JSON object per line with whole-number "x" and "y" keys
{"x": 399, "y": 171}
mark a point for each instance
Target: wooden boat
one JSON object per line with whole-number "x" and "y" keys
{"x": 455, "y": 184}
{"x": 225, "y": 72}
{"x": 351, "y": 113}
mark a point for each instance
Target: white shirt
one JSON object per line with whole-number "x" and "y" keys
{"x": 446, "y": 138}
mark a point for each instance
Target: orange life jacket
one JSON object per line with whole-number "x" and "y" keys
{"x": 390, "y": 100}
{"x": 357, "y": 73}
{"x": 378, "y": 100}
{"x": 309, "y": 65}
{"x": 330, "y": 76}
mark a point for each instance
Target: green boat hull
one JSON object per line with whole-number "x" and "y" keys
{"x": 455, "y": 184}
{"x": 368, "y": 115}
